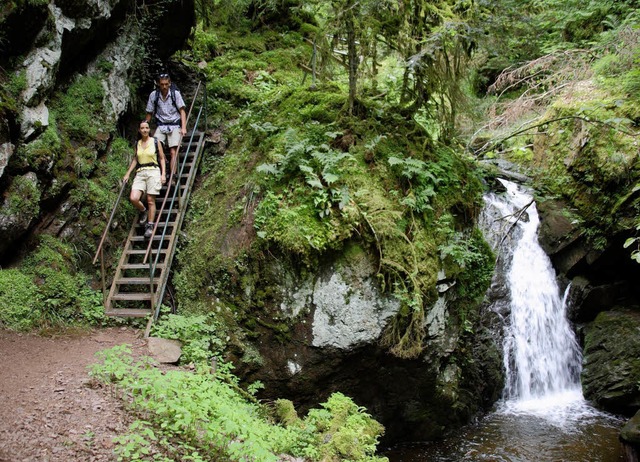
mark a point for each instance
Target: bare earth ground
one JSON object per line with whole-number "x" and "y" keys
{"x": 50, "y": 409}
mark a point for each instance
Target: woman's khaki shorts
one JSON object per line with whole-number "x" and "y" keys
{"x": 148, "y": 180}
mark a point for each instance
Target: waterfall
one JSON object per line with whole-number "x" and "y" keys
{"x": 542, "y": 358}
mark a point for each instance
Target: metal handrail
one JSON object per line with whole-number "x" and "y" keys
{"x": 100, "y": 249}
{"x": 106, "y": 228}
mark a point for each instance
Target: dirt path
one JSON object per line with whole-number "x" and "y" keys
{"x": 48, "y": 408}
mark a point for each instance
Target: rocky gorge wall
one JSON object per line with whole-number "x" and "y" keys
{"x": 93, "y": 50}
{"x": 325, "y": 335}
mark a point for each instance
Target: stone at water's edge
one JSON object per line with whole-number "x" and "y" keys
{"x": 630, "y": 437}
{"x": 631, "y": 431}
{"x": 611, "y": 371}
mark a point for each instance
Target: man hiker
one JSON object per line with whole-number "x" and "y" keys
{"x": 167, "y": 105}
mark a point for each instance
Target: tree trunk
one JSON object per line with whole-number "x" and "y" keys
{"x": 352, "y": 54}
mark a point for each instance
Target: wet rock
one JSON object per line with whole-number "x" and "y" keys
{"x": 630, "y": 433}
{"x": 586, "y": 300}
{"x": 611, "y": 369}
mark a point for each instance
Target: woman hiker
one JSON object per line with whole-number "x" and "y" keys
{"x": 149, "y": 163}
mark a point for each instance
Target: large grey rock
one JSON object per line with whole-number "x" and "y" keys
{"x": 42, "y": 63}
{"x": 34, "y": 119}
{"x": 347, "y": 314}
{"x": 631, "y": 430}
{"x": 164, "y": 350}
{"x": 611, "y": 370}
{"x": 121, "y": 56}
{"x": 325, "y": 332}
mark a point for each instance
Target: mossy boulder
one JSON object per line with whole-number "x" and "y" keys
{"x": 630, "y": 433}
{"x": 611, "y": 371}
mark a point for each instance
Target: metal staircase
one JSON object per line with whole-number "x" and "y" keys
{"x": 141, "y": 277}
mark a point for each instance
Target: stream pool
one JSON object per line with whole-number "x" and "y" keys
{"x": 572, "y": 433}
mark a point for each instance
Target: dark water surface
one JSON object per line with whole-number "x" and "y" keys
{"x": 585, "y": 436}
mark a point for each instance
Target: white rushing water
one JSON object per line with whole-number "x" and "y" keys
{"x": 542, "y": 358}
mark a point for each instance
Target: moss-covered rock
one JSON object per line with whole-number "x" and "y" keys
{"x": 611, "y": 371}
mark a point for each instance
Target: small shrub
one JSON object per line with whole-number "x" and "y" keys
{"x": 201, "y": 336}
{"x": 19, "y": 300}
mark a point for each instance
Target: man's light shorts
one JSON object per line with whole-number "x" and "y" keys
{"x": 171, "y": 139}
{"x": 148, "y": 180}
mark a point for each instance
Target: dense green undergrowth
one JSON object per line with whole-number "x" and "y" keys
{"x": 301, "y": 178}
{"x": 48, "y": 291}
{"x": 205, "y": 415}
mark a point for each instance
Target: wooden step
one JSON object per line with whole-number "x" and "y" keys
{"x": 143, "y": 239}
{"x": 171, "y": 223}
{"x": 129, "y": 296}
{"x": 135, "y": 281}
{"x": 128, "y": 312}
{"x": 143, "y": 251}
{"x": 135, "y": 266}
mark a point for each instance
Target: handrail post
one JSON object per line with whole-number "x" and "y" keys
{"x": 102, "y": 271}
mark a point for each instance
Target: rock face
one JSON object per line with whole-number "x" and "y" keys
{"x": 612, "y": 361}
{"x": 330, "y": 338}
{"x": 46, "y": 46}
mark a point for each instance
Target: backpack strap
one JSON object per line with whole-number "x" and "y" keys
{"x": 172, "y": 92}
{"x": 150, "y": 164}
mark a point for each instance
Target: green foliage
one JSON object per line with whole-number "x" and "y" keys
{"x": 80, "y": 108}
{"x": 47, "y": 290}
{"x": 10, "y": 90}
{"x": 321, "y": 167}
{"x": 199, "y": 416}
{"x": 201, "y": 336}
{"x": 305, "y": 178}
{"x": 22, "y": 198}
{"x": 19, "y": 300}
{"x": 348, "y": 431}
{"x": 46, "y": 150}
{"x": 470, "y": 260}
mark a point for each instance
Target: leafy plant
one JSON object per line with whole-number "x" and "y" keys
{"x": 321, "y": 167}
{"x": 19, "y": 300}
{"x": 199, "y": 416}
{"x": 202, "y": 336}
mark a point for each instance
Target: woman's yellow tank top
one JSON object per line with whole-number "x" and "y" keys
{"x": 147, "y": 155}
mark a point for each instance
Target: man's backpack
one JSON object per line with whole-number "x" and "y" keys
{"x": 172, "y": 91}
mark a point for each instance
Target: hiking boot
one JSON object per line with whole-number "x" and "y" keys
{"x": 143, "y": 217}
{"x": 148, "y": 230}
